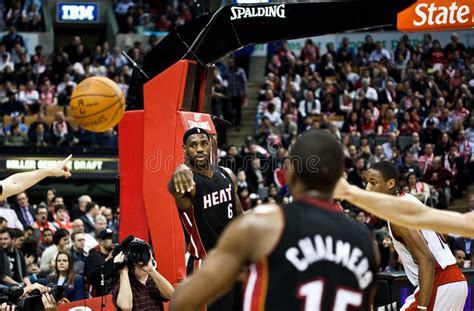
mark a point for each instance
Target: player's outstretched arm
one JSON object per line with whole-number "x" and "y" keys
{"x": 19, "y": 182}
{"x": 405, "y": 213}
{"x": 182, "y": 187}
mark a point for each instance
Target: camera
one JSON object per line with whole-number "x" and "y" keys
{"x": 34, "y": 303}
{"x": 31, "y": 303}
{"x": 11, "y": 294}
{"x": 135, "y": 251}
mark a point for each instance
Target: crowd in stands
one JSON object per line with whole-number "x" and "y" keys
{"x": 139, "y": 16}
{"x": 413, "y": 107}
{"x": 23, "y": 15}
{"x": 52, "y": 243}
{"x": 37, "y": 90}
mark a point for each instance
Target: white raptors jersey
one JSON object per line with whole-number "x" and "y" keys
{"x": 439, "y": 249}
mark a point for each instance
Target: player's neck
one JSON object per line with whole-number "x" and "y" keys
{"x": 299, "y": 193}
{"x": 206, "y": 171}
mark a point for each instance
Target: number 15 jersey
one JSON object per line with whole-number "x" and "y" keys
{"x": 323, "y": 261}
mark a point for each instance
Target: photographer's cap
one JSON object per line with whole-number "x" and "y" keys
{"x": 106, "y": 233}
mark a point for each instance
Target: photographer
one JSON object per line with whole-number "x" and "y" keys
{"x": 142, "y": 287}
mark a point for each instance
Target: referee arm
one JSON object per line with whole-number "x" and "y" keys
{"x": 19, "y": 182}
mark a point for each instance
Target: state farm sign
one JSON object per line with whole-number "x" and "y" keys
{"x": 437, "y": 15}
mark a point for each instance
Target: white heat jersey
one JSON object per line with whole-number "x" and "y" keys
{"x": 439, "y": 249}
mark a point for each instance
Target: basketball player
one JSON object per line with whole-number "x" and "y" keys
{"x": 426, "y": 257}
{"x": 19, "y": 182}
{"x": 303, "y": 256}
{"x": 207, "y": 201}
{"x": 407, "y": 213}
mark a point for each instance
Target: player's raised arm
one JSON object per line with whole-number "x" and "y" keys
{"x": 19, "y": 182}
{"x": 406, "y": 213}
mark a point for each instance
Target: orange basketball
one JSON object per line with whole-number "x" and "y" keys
{"x": 98, "y": 104}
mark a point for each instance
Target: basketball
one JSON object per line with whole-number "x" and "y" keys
{"x": 98, "y": 104}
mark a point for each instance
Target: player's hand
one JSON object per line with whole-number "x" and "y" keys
{"x": 342, "y": 189}
{"x": 61, "y": 168}
{"x": 183, "y": 179}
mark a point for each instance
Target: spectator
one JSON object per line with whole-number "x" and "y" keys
{"x": 111, "y": 221}
{"x": 92, "y": 210}
{"x": 288, "y": 129}
{"x": 357, "y": 175}
{"x": 40, "y": 137}
{"x": 30, "y": 98}
{"x": 61, "y": 130}
{"x": 408, "y": 166}
{"x": 236, "y": 81}
{"x": 460, "y": 258}
{"x": 232, "y": 159}
{"x": 46, "y": 240}
{"x": 415, "y": 147}
{"x": 100, "y": 224}
{"x": 16, "y": 137}
{"x": 421, "y": 190}
{"x": 16, "y": 270}
{"x": 388, "y": 146}
{"x": 80, "y": 210}
{"x": 99, "y": 263}
{"x": 24, "y": 210}
{"x": 78, "y": 252}
{"x": 368, "y": 124}
{"x": 310, "y": 106}
{"x": 9, "y": 216}
{"x": 90, "y": 242}
{"x": 12, "y": 38}
{"x": 379, "y": 54}
{"x": 67, "y": 81}
{"x": 426, "y": 160}
{"x": 32, "y": 18}
{"x": 61, "y": 243}
{"x": 440, "y": 178}
{"x": 61, "y": 220}
{"x": 64, "y": 275}
{"x": 42, "y": 222}
{"x": 377, "y": 156}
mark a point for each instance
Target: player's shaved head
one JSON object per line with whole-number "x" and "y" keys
{"x": 317, "y": 160}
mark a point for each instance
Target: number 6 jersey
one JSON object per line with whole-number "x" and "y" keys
{"x": 213, "y": 208}
{"x": 323, "y": 261}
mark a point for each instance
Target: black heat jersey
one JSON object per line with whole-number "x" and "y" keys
{"x": 213, "y": 208}
{"x": 323, "y": 261}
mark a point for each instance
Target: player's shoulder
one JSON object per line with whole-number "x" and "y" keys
{"x": 261, "y": 218}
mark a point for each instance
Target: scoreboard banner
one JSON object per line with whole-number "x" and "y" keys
{"x": 81, "y": 167}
